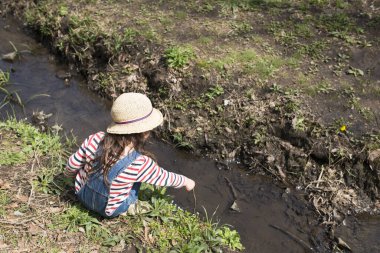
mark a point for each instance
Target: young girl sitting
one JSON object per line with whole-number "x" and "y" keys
{"x": 110, "y": 167}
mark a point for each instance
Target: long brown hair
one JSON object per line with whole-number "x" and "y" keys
{"x": 112, "y": 146}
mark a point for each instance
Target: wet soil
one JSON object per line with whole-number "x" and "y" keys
{"x": 272, "y": 218}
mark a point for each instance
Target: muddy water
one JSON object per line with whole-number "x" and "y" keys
{"x": 271, "y": 218}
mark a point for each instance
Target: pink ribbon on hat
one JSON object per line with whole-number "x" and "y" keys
{"x": 135, "y": 120}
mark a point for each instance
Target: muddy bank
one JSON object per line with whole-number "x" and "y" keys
{"x": 261, "y": 120}
{"x": 265, "y": 209}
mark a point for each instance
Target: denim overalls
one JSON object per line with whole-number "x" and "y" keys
{"x": 94, "y": 193}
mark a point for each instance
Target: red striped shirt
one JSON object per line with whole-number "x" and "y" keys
{"x": 143, "y": 169}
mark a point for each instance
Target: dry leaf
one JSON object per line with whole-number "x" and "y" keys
{"x": 33, "y": 229}
{"x": 55, "y": 209}
{"x": 22, "y": 198}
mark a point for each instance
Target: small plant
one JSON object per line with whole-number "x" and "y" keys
{"x": 241, "y": 27}
{"x": 44, "y": 181}
{"x": 130, "y": 34}
{"x": 275, "y": 88}
{"x": 63, "y": 10}
{"x": 314, "y": 50}
{"x": 4, "y": 78}
{"x": 11, "y": 157}
{"x": 229, "y": 237}
{"x": 214, "y": 92}
{"x": 177, "y": 57}
{"x": 324, "y": 87}
{"x": 181, "y": 142}
{"x": 298, "y": 123}
{"x": 259, "y": 136}
{"x": 75, "y": 219}
{"x": 4, "y": 200}
{"x": 355, "y": 72}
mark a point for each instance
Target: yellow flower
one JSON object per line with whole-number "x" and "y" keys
{"x": 342, "y": 128}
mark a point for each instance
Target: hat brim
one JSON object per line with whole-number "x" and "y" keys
{"x": 147, "y": 124}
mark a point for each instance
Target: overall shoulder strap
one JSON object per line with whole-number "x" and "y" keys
{"x": 119, "y": 166}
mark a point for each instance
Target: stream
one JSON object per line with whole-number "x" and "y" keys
{"x": 271, "y": 218}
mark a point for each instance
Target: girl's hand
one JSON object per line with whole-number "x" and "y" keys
{"x": 189, "y": 184}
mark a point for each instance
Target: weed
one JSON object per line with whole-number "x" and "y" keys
{"x": 174, "y": 229}
{"x": 374, "y": 142}
{"x": 150, "y": 34}
{"x": 177, "y": 57}
{"x": 181, "y": 15}
{"x": 292, "y": 105}
{"x": 303, "y": 29}
{"x": 205, "y": 40}
{"x": 4, "y": 78}
{"x": 34, "y": 142}
{"x": 63, "y": 10}
{"x": 336, "y": 22}
{"x": 75, "y": 219}
{"x": 355, "y": 105}
{"x": 165, "y": 228}
{"x": 324, "y": 87}
{"x": 355, "y": 72}
{"x": 298, "y": 123}
{"x": 259, "y": 136}
{"x": 230, "y": 238}
{"x": 214, "y": 92}
{"x": 241, "y": 27}
{"x": 181, "y": 142}
{"x": 206, "y": 7}
{"x": 44, "y": 180}
{"x": 314, "y": 50}
{"x": 12, "y": 158}
{"x": 4, "y": 200}
{"x": 82, "y": 31}
{"x": 130, "y": 35}
{"x": 276, "y": 88}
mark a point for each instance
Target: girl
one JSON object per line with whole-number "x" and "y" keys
{"x": 110, "y": 167}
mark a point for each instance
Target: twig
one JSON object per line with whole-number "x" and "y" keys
{"x": 320, "y": 176}
{"x": 30, "y": 195}
{"x": 195, "y": 200}
{"x": 17, "y": 223}
{"x": 233, "y": 190}
{"x": 295, "y": 238}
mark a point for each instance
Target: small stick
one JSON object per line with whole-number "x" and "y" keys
{"x": 320, "y": 176}
{"x": 195, "y": 200}
{"x": 294, "y": 237}
{"x": 30, "y": 195}
{"x": 234, "y": 193}
{"x": 19, "y": 222}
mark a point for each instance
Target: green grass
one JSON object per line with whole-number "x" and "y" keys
{"x": 5, "y": 199}
{"x": 32, "y": 143}
{"x": 165, "y": 228}
{"x": 179, "y": 56}
{"x": 249, "y": 62}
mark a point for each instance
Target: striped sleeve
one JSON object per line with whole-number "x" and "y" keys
{"x": 143, "y": 169}
{"x": 84, "y": 154}
{"x": 151, "y": 173}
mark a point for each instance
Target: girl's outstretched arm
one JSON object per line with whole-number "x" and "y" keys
{"x": 150, "y": 172}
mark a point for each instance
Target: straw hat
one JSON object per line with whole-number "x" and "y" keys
{"x": 133, "y": 113}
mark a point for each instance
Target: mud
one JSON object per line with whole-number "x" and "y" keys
{"x": 262, "y": 203}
